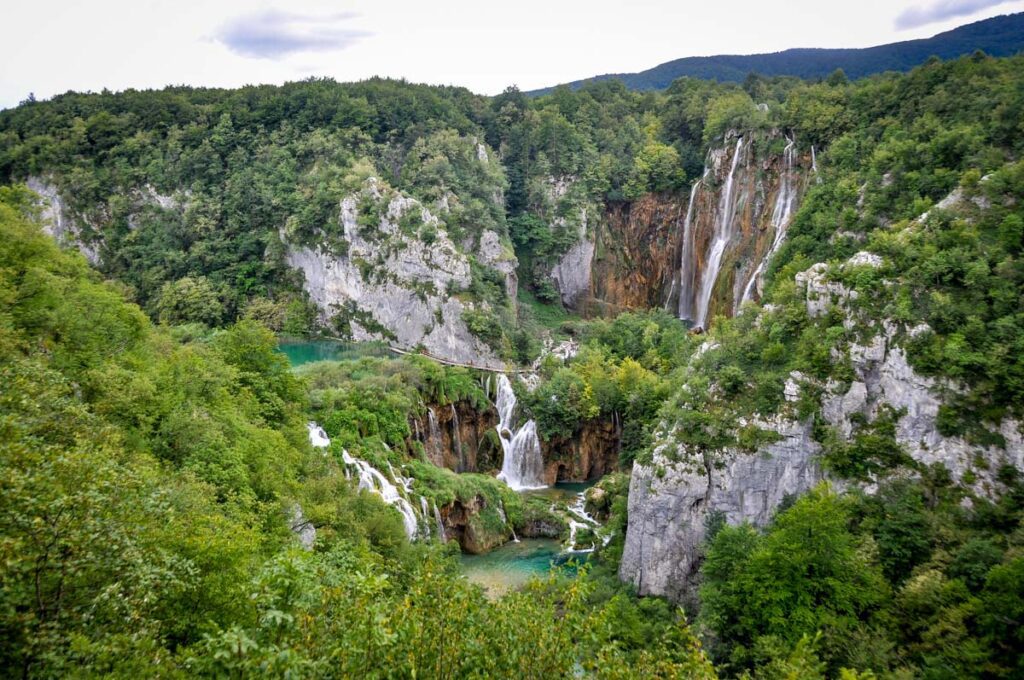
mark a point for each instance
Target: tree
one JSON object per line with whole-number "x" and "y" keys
{"x": 189, "y": 300}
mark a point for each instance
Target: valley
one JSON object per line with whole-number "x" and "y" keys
{"x": 392, "y": 380}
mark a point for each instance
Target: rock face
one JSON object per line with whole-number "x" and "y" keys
{"x": 696, "y": 254}
{"x": 669, "y": 504}
{"x": 468, "y": 524}
{"x": 591, "y": 453}
{"x": 573, "y": 272}
{"x": 71, "y": 229}
{"x": 390, "y": 284}
{"x": 671, "y": 499}
{"x": 464, "y": 439}
{"x": 460, "y": 437}
{"x": 638, "y": 254}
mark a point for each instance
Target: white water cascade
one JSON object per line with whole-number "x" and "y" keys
{"x": 522, "y": 466}
{"x": 782, "y": 212}
{"x": 687, "y": 267}
{"x": 433, "y": 445}
{"x": 317, "y": 437}
{"x": 374, "y": 481}
{"x": 457, "y": 439}
{"x": 723, "y": 234}
{"x": 440, "y": 525}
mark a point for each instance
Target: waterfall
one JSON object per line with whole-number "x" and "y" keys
{"x": 457, "y": 439}
{"x": 423, "y": 507}
{"x": 814, "y": 164}
{"x": 434, "y": 438}
{"x": 687, "y": 265}
{"x": 522, "y": 466}
{"x": 317, "y": 436}
{"x": 584, "y": 521}
{"x": 504, "y": 520}
{"x": 440, "y": 525}
{"x": 373, "y": 480}
{"x": 723, "y": 234}
{"x": 782, "y": 212}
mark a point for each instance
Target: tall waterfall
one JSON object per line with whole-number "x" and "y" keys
{"x": 434, "y": 443}
{"x": 782, "y": 212}
{"x": 522, "y": 466}
{"x": 723, "y": 234}
{"x": 457, "y": 439}
{"x": 688, "y": 267}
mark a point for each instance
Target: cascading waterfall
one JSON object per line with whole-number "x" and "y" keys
{"x": 584, "y": 521}
{"x": 440, "y": 525}
{"x": 457, "y": 438}
{"x": 782, "y": 212}
{"x": 317, "y": 437}
{"x": 434, "y": 436}
{"x": 687, "y": 268}
{"x": 522, "y": 466}
{"x": 373, "y": 480}
{"x": 723, "y": 234}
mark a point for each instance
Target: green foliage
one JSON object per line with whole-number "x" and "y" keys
{"x": 804, "y": 575}
{"x": 189, "y": 300}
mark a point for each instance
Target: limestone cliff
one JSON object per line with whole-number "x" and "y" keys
{"x": 394, "y": 274}
{"x": 672, "y": 497}
{"x": 696, "y": 254}
{"x": 71, "y": 228}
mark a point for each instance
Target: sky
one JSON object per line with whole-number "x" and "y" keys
{"x": 48, "y": 46}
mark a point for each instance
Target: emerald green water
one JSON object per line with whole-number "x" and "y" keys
{"x": 509, "y": 567}
{"x": 513, "y": 564}
{"x": 300, "y": 353}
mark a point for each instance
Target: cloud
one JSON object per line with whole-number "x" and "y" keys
{"x": 940, "y": 10}
{"x": 272, "y": 34}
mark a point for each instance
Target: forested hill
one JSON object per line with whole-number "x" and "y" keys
{"x": 1000, "y": 36}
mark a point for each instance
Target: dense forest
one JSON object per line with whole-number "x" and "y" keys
{"x": 157, "y": 463}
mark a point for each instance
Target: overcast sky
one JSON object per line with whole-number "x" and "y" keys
{"x": 50, "y": 46}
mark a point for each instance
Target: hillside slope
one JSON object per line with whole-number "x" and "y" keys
{"x": 1000, "y": 36}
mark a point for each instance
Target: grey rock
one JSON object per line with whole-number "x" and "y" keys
{"x": 669, "y": 504}
{"x": 407, "y": 293}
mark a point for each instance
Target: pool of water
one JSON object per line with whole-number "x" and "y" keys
{"x": 513, "y": 564}
{"x": 300, "y": 353}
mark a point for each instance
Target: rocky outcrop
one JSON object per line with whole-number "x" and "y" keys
{"x": 591, "y": 453}
{"x": 637, "y": 259}
{"x": 476, "y": 526}
{"x": 672, "y": 497}
{"x": 460, "y": 437}
{"x": 573, "y": 273}
{"x": 389, "y": 284}
{"x": 670, "y": 502}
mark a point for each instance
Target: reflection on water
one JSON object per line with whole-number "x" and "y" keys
{"x": 513, "y": 564}
{"x": 300, "y": 353}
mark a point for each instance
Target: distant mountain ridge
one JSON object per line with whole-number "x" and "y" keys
{"x": 998, "y": 36}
